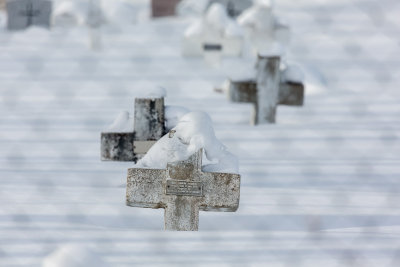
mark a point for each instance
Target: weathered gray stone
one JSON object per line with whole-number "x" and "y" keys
{"x": 24, "y": 13}
{"x": 149, "y": 118}
{"x": 149, "y": 126}
{"x": 162, "y": 8}
{"x": 268, "y": 81}
{"x": 117, "y": 147}
{"x": 267, "y": 91}
{"x": 183, "y": 189}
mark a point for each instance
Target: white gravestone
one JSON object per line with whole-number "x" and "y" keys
{"x": 24, "y": 13}
{"x": 213, "y": 36}
{"x": 149, "y": 126}
{"x": 263, "y": 28}
{"x": 270, "y": 88}
{"x": 182, "y": 190}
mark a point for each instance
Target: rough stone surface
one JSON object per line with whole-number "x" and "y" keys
{"x": 24, "y": 13}
{"x": 149, "y": 126}
{"x": 162, "y": 8}
{"x": 193, "y": 190}
{"x": 291, "y": 94}
{"x": 117, "y": 147}
{"x": 267, "y": 92}
{"x": 149, "y": 119}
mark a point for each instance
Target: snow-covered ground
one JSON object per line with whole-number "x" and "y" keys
{"x": 319, "y": 188}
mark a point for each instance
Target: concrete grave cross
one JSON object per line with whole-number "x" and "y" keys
{"x": 182, "y": 190}
{"x": 213, "y": 36}
{"x": 149, "y": 126}
{"x": 267, "y": 91}
{"x": 25, "y": 13}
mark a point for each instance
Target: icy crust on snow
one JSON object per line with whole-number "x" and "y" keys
{"x": 193, "y": 132}
{"x": 217, "y": 19}
{"x": 73, "y": 256}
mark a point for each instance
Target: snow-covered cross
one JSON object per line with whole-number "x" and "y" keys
{"x": 183, "y": 189}
{"x": 213, "y": 36}
{"x": 262, "y": 27}
{"x": 270, "y": 89}
{"x": 25, "y": 13}
{"x": 122, "y": 145}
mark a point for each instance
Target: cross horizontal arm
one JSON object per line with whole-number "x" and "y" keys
{"x": 291, "y": 94}
{"x": 221, "y": 192}
{"x": 145, "y": 188}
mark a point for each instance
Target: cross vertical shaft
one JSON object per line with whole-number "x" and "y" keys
{"x": 181, "y": 215}
{"x": 30, "y": 13}
{"x": 268, "y": 81}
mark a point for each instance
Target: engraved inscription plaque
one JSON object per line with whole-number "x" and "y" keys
{"x": 184, "y": 188}
{"x": 212, "y": 47}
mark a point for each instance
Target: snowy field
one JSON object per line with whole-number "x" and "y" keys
{"x": 319, "y": 188}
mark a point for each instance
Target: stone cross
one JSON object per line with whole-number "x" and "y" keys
{"x": 24, "y": 13}
{"x": 267, "y": 91}
{"x": 213, "y": 38}
{"x": 182, "y": 190}
{"x": 149, "y": 126}
{"x": 95, "y": 19}
{"x": 162, "y": 8}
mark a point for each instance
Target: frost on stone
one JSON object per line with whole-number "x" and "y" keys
{"x": 193, "y": 132}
